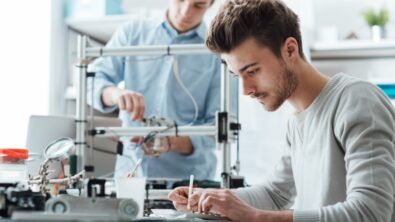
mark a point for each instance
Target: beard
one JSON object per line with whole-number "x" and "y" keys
{"x": 287, "y": 84}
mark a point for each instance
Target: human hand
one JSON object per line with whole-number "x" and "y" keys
{"x": 152, "y": 147}
{"x": 223, "y": 202}
{"x": 131, "y": 102}
{"x": 179, "y": 196}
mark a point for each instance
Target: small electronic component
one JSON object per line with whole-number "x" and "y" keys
{"x": 16, "y": 197}
{"x": 151, "y": 142}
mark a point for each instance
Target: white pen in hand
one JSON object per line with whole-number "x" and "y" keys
{"x": 190, "y": 191}
{"x": 133, "y": 172}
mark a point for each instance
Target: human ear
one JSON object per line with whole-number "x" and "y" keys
{"x": 291, "y": 48}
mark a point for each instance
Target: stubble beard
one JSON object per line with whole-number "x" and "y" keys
{"x": 286, "y": 86}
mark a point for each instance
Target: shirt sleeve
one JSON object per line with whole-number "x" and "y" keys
{"x": 109, "y": 70}
{"x": 278, "y": 192}
{"x": 365, "y": 129}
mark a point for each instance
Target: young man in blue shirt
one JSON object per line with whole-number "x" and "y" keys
{"x": 185, "y": 89}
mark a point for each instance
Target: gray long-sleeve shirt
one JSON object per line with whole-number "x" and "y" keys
{"x": 339, "y": 162}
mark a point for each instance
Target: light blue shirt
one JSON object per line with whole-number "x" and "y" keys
{"x": 153, "y": 76}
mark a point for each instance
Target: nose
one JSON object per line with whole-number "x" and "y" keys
{"x": 248, "y": 88}
{"x": 186, "y": 9}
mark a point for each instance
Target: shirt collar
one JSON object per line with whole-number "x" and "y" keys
{"x": 200, "y": 30}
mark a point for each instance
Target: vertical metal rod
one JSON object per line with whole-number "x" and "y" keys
{"x": 225, "y": 146}
{"x": 81, "y": 121}
{"x": 237, "y": 94}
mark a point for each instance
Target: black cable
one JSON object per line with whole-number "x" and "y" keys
{"x": 80, "y": 121}
{"x": 151, "y": 135}
{"x": 103, "y": 150}
{"x": 176, "y": 128}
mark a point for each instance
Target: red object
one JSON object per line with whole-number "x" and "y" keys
{"x": 15, "y": 152}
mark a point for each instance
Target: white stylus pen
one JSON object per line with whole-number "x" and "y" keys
{"x": 133, "y": 172}
{"x": 190, "y": 190}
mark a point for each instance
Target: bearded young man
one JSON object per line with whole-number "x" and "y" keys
{"x": 339, "y": 160}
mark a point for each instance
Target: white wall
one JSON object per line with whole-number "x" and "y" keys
{"x": 346, "y": 15}
{"x": 157, "y": 7}
{"x": 262, "y": 139}
{"x": 145, "y": 8}
{"x": 24, "y": 56}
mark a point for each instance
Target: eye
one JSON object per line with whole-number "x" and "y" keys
{"x": 252, "y": 73}
{"x": 200, "y": 6}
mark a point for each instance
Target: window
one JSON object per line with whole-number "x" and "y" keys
{"x": 24, "y": 85}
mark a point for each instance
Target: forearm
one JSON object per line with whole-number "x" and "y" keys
{"x": 273, "y": 216}
{"x": 180, "y": 144}
{"x": 277, "y": 192}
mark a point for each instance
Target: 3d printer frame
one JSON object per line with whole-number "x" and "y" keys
{"x": 225, "y": 129}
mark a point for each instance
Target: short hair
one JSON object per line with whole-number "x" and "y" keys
{"x": 269, "y": 22}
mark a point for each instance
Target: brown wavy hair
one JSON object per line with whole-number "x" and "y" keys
{"x": 270, "y": 22}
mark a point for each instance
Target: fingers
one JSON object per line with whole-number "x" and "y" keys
{"x": 165, "y": 144}
{"x": 142, "y": 109}
{"x": 194, "y": 199}
{"x": 147, "y": 148}
{"x": 219, "y": 201}
{"x": 180, "y": 206}
{"x": 193, "y": 202}
{"x": 122, "y": 102}
{"x": 213, "y": 199}
{"x": 200, "y": 201}
{"x": 137, "y": 139}
{"x": 132, "y": 102}
{"x": 128, "y": 102}
{"x": 138, "y": 107}
{"x": 179, "y": 195}
{"x": 208, "y": 203}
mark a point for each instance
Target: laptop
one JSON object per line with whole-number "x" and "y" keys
{"x": 42, "y": 130}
